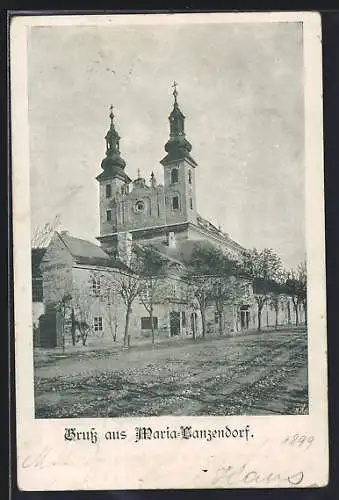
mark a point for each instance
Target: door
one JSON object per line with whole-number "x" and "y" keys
{"x": 244, "y": 318}
{"x": 174, "y": 323}
{"x": 48, "y": 330}
{"x": 247, "y": 320}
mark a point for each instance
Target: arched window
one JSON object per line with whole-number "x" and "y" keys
{"x": 174, "y": 175}
{"x": 175, "y": 202}
{"x": 190, "y": 177}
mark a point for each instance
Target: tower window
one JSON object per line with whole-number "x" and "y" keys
{"x": 174, "y": 175}
{"x": 191, "y": 204}
{"x": 108, "y": 215}
{"x": 108, "y": 190}
{"x": 175, "y": 202}
{"x": 190, "y": 177}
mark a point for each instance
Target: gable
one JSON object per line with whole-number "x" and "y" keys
{"x": 56, "y": 255}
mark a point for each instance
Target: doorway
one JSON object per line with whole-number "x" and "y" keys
{"x": 174, "y": 323}
{"x": 244, "y": 318}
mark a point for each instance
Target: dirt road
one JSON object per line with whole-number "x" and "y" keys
{"x": 258, "y": 374}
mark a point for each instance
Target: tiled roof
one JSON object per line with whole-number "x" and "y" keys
{"x": 183, "y": 250}
{"x": 87, "y": 253}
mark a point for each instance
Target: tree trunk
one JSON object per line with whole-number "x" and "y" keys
{"x": 63, "y": 338}
{"x": 152, "y": 325}
{"x": 128, "y": 311}
{"x": 203, "y": 321}
{"x": 296, "y": 314}
{"x": 73, "y": 326}
{"x": 220, "y": 322}
{"x": 276, "y": 317}
{"x": 194, "y": 326}
{"x": 259, "y": 318}
{"x": 305, "y": 309}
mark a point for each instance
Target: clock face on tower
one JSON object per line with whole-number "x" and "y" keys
{"x": 139, "y": 206}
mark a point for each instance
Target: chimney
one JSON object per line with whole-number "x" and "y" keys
{"x": 125, "y": 248}
{"x": 171, "y": 240}
{"x": 64, "y": 233}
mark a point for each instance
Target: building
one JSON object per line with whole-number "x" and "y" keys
{"x": 78, "y": 276}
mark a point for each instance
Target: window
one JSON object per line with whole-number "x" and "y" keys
{"x": 183, "y": 319}
{"x": 174, "y": 175}
{"x": 175, "y": 202}
{"x": 190, "y": 177}
{"x": 191, "y": 204}
{"x": 98, "y": 324}
{"x": 108, "y": 215}
{"x": 139, "y": 206}
{"x": 147, "y": 325}
{"x": 95, "y": 284}
{"x": 108, "y": 190}
{"x": 172, "y": 289}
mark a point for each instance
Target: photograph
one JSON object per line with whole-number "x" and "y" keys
{"x": 168, "y": 244}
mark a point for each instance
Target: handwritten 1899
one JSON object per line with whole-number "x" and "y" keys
{"x": 298, "y": 441}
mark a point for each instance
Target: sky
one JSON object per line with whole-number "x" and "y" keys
{"x": 240, "y": 88}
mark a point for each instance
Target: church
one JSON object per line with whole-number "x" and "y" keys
{"x": 163, "y": 215}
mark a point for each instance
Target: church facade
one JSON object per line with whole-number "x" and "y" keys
{"x": 144, "y": 213}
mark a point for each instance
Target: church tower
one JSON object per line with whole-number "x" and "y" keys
{"x": 179, "y": 170}
{"x": 113, "y": 182}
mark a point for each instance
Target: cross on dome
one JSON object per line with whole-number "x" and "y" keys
{"x": 111, "y": 114}
{"x": 175, "y": 92}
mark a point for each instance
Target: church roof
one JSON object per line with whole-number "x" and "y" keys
{"x": 183, "y": 250}
{"x": 212, "y": 229}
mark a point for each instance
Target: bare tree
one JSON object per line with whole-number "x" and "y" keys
{"x": 200, "y": 287}
{"x": 128, "y": 285}
{"x": 63, "y": 306}
{"x": 264, "y": 267}
{"x": 42, "y": 234}
{"x": 274, "y": 301}
{"x": 83, "y": 305}
{"x": 109, "y": 293}
{"x": 214, "y": 276}
{"x": 152, "y": 266}
{"x": 296, "y": 284}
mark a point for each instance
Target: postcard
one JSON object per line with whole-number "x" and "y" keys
{"x": 168, "y": 248}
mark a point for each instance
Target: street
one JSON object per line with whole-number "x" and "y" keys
{"x": 255, "y": 374}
